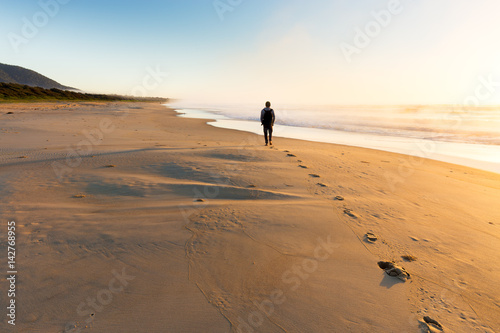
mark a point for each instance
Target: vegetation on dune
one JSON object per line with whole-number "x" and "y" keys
{"x": 12, "y": 92}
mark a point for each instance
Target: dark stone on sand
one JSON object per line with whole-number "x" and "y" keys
{"x": 199, "y": 200}
{"x": 251, "y": 186}
{"x": 429, "y": 320}
{"x": 10, "y": 112}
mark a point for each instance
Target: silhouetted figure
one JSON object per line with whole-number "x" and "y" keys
{"x": 267, "y": 120}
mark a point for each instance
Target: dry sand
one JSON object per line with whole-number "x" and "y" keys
{"x": 130, "y": 219}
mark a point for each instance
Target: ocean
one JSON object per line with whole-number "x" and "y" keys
{"x": 455, "y": 134}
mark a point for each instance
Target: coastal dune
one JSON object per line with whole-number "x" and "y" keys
{"x": 130, "y": 219}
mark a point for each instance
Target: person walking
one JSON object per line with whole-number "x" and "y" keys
{"x": 267, "y": 120}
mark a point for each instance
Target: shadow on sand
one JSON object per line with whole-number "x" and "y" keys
{"x": 389, "y": 281}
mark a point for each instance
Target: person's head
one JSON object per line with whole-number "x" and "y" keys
{"x": 268, "y": 104}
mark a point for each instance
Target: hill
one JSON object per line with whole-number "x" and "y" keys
{"x": 24, "y": 76}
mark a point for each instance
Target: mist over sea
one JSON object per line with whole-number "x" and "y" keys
{"x": 456, "y": 134}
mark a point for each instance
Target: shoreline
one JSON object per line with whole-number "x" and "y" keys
{"x": 444, "y": 151}
{"x": 207, "y": 223}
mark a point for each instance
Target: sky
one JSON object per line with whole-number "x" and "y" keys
{"x": 287, "y": 51}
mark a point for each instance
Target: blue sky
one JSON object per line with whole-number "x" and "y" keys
{"x": 287, "y": 51}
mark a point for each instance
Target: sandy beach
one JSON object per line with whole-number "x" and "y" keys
{"x": 130, "y": 219}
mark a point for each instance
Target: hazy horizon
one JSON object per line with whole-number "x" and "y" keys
{"x": 319, "y": 52}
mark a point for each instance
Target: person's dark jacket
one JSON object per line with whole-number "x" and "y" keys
{"x": 267, "y": 121}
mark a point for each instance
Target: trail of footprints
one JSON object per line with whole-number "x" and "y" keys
{"x": 319, "y": 184}
{"x": 390, "y": 267}
{"x": 312, "y": 175}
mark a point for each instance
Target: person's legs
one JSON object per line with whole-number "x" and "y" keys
{"x": 265, "y": 133}
{"x": 270, "y": 134}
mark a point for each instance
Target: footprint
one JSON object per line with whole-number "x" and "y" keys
{"x": 394, "y": 270}
{"x": 251, "y": 186}
{"x": 314, "y": 175}
{"x": 303, "y": 167}
{"x": 409, "y": 257}
{"x": 291, "y": 155}
{"x": 322, "y": 185}
{"x": 433, "y": 322}
{"x": 371, "y": 237}
{"x": 350, "y": 213}
{"x": 339, "y": 198}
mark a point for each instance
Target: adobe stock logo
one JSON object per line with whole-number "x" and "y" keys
{"x": 224, "y": 6}
{"x": 31, "y": 27}
{"x": 153, "y": 79}
{"x": 293, "y": 278}
{"x": 372, "y": 29}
